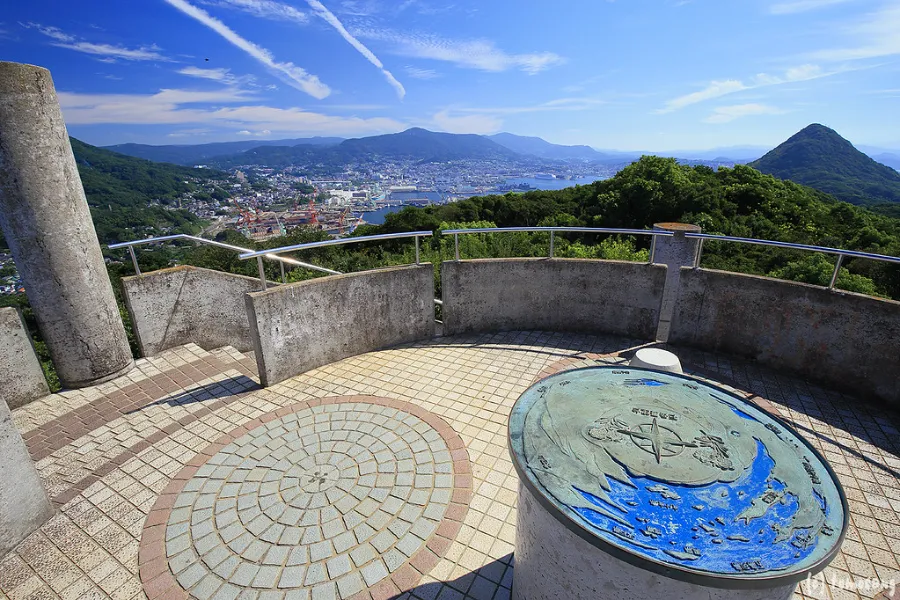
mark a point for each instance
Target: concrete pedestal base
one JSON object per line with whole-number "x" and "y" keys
{"x": 24, "y": 505}
{"x": 552, "y": 562}
{"x": 654, "y": 358}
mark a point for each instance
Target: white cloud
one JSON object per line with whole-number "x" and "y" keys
{"x": 357, "y": 106}
{"x": 717, "y": 89}
{"x": 247, "y": 132}
{"x": 329, "y": 18}
{"x": 266, "y": 9}
{"x": 417, "y": 73}
{"x": 107, "y": 52}
{"x": 559, "y": 104}
{"x": 726, "y": 114}
{"x": 164, "y": 107}
{"x": 174, "y": 107}
{"x": 472, "y": 54}
{"x": 481, "y": 124}
{"x": 284, "y": 12}
{"x": 221, "y": 75}
{"x": 197, "y": 131}
{"x": 876, "y": 34}
{"x": 800, "y": 6}
{"x": 490, "y": 119}
{"x": 288, "y": 72}
{"x": 357, "y": 8}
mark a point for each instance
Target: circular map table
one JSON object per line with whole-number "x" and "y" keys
{"x": 624, "y": 471}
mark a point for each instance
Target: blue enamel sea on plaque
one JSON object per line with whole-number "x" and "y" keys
{"x": 678, "y": 476}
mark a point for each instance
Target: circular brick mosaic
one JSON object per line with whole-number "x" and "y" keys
{"x": 353, "y": 497}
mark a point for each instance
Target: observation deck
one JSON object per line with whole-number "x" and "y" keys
{"x": 112, "y": 456}
{"x": 328, "y": 439}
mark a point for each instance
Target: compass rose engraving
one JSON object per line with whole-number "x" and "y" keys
{"x": 320, "y": 479}
{"x": 661, "y": 442}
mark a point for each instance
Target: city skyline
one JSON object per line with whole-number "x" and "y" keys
{"x": 666, "y": 75}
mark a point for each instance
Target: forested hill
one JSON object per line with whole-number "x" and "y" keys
{"x": 413, "y": 144}
{"x": 198, "y": 153}
{"x": 131, "y": 197}
{"x": 540, "y": 147}
{"x": 738, "y": 202}
{"x": 818, "y": 157}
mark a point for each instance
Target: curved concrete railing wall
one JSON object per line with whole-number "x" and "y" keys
{"x": 841, "y": 339}
{"x": 598, "y": 296}
{"x": 177, "y": 306}
{"x": 847, "y": 340}
{"x": 306, "y": 325}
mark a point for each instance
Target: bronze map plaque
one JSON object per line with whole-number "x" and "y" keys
{"x": 678, "y": 476}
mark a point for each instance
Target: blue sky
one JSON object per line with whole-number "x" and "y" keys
{"x": 630, "y": 75}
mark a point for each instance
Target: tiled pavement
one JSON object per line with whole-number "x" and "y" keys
{"x": 119, "y": 458}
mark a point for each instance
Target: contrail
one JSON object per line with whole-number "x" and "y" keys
{"x": 288, "y": 72}
{"x": 332, "y": 20}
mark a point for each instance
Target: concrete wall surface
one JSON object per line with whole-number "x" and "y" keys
{"x": 845, "y": 340}
{"x": 21, "y": 377}
{"x": 176, "y": 306}
{"x": 305, "y": 325}
{"x": 24, "y": 505}
{"x": 558, "y": 294}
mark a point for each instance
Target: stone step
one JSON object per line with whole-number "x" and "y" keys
{"x": 228, "y": 354}
{"x": 174, "y": 357}
{"x": 191, "y": 357}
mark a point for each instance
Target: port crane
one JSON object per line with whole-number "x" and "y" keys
{"x": 244, "y": 215}
{"x": 313, "y": 215}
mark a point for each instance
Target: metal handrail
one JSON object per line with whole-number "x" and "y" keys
{"x": 841, "y": 254}
{"x": 183, "y": 236}
{"x": 552, "y": 230}
{"x": 338, "y": 242}
{"x": 273, "y": 253}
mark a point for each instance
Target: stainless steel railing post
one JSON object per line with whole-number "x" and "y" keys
{"x": 551, "y": 243}
{"x": 262, "y": 273}
{"x": 137, "y": 269}
{"x": 837, "y": 269}
{"x": 699, "y": 254}
{"x": 281, "y": 264}
{"x": 417, "y": 249}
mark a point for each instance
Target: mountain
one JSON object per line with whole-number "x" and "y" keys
{"x": 536, "y": 146}
{"x": 820, "y": 158}
{"x": 888, "y": 158}
{"x": 198, "y": 153}
{"x": 413, "y": 144}
{"x": 735, "y": 154}
{"x": 130, "y": 197}
{"x": 428, "y": 146}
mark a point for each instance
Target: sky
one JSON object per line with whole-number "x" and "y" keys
{"x": 650, "y": 75}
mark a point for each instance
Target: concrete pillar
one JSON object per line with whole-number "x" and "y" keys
{"x": 674, "y": 252}
{"x": 47, "y": 223}
{"x": 24, "y": 505}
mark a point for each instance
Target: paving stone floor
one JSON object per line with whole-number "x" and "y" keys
{"x": 132, "y": 466}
